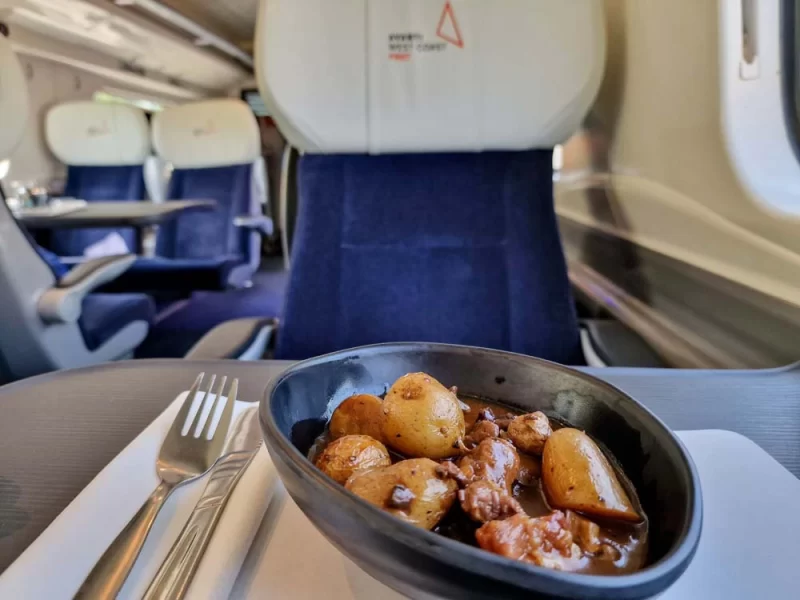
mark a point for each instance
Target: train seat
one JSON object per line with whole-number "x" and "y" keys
{"x": 214, "y": 150}
{"x": 105, "y": 147}
{"x": 425, "y": 186}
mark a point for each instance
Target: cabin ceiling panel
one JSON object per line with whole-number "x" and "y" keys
{"x": 235, "y": 20}
{"x": 140, "y": 44}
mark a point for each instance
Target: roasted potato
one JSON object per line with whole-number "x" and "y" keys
{"x": 422, "y": 418}
{"x": 358, "y": 415}
{"x": 352, "y": 453}
{"x": 410, "y": 490}
{"x": 530, "y": 432}
{"x": 577, "y": 476}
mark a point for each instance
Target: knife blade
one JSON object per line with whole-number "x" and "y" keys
{"x": 178, "y": 569}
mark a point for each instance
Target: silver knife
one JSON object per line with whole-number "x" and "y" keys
{"x": 176, "y": 573}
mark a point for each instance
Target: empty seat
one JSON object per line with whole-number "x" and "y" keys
{"x": 425, "y": 189}
{"x": 215, "y": 150}
{"x": 104, "y": 147}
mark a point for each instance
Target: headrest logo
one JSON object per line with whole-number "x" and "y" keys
{"x": 208, "y": 129}
{"x": 98, "y": 130}
{"x": 448, "y": 28}
{"x": 404, "y": 45}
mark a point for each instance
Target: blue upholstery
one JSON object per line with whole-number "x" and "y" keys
{"x": 98, "y": 184}
{"x": 58, "y": 268}
{"x": 175, "y": 334}
{"x": 173, "y": 275}
{"x": 200, "y": 250}
{"x": 104, "y": 315}
{"x": 458, "y": 248}
{"x": 209, "y": 235}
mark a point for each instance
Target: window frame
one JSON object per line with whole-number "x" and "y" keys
{"x": 760, "y": 147}
{"x": 790, "y": 13}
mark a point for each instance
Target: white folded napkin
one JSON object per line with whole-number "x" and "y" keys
{"x": 747, "y": 549}
{"x": 111, "y": 245}
{"x": 55, "y": 565}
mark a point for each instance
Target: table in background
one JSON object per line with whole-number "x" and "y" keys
{"x": 59, "y": 430}
{"x": 141, "y": 216}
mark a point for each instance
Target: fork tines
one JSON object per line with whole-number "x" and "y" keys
{"x": 201, "y": 424}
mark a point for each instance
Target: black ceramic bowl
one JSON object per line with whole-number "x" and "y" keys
{"x": 419, "y": 563}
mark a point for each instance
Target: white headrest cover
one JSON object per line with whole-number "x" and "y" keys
{"x": 91, "y": 134}
{"x": 385, "y": 76}
{"x": 212, "y": 133}
{"x": 13, "y": 100}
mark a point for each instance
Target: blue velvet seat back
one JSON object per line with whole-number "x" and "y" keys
{"x": 98, "y": 184}
{"x": 456, "y": 248}
{"x": 208, "y": 234}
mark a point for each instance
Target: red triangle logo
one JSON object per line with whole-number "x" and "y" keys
{"x": 448, "y": 27}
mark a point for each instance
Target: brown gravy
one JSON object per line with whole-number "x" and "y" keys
{"x": 630, "y": 540}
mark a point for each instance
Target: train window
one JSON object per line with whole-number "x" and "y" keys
{"x": 678, "y": 202}
{"x": 753, "y": 62}
{"x": 791, "y": 69}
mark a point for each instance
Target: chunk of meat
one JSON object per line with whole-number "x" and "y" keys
{"x": 483, "y": 430}
{"x": 609, "y": 553}
{"x": 543, "y": 541}
{"x": 492, "y": 460}
{"x": 449, "y": 470}
{"x": 530, "y": 469}
{"x": 585, "y": 532}
{"x": 485, "y": 414}
{"x": 485, "y": 501}
{"x": 505, "y": 420}
{"x": 530, "y": 432}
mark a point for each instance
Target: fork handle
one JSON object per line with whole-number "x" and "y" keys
{"x": 108, "y": 576}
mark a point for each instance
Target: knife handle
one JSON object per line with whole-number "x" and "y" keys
{"x": 109, "y": 574}
{"x": 176, "y": 573}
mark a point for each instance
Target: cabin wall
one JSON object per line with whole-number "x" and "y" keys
{"x": 652, "y": 165}
{"x": 649, "y": 198}
{"x": 48, "y": 84}
{"x": 59, "y": 71}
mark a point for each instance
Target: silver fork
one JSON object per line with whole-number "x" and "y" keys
{"x": 183, "y": 457}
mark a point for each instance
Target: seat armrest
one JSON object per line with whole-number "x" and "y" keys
{"x": 262, "y": 224}
{"x": 243, "y": 339}
{"x": 62, "y": 303}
